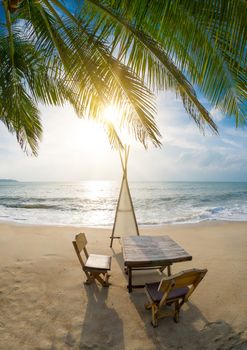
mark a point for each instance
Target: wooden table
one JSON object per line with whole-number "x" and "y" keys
{"x": 145, "y": 252}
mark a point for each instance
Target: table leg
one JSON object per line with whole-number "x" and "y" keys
{"x": 169, "y": 270}
{"x": 162, "y": 269}
{"x": 130, "y": 279}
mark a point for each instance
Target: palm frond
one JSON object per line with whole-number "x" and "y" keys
{"x": 181, "y": 39}
{"x": 117, "y": 51}
{"x": 99, "y": 78}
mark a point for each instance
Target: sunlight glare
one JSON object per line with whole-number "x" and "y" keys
{"x": 111, "y": 114}
{"x": 90, "y": 135}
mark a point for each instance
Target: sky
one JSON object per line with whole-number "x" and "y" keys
{"x": 73, "y": 149}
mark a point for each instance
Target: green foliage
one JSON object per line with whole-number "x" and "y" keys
{"x": 55, "y": 58}
{"x": 118, "y": 51}
{"x": 179, "y": 43}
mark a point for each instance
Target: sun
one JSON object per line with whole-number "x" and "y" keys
{"x": 111, "y": 114}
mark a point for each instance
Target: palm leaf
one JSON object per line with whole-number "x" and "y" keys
{"x": 182, "y": 40}
{"x": 101, "y": 78}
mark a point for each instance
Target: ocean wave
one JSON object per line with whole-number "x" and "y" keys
{"x": 41, "y": 199}
{"x": 33, "y": 206}
{"x": 167, "y": 199}
{"x": 156, "y": 204}
{"x": 216, "y": 210}
{"x": 223, "y": 197}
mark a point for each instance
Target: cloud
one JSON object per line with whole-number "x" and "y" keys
{"x": 217, "y": 114}
{"x": 231, "y": 142}
{"x": 73, "y": 149}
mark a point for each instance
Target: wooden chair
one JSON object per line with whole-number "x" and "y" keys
{"x": 94, "y": 265}
{"x": 175, "y": 289}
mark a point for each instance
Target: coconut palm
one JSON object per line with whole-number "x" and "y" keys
{"x": 53, "y": 58}
{"x": 101, "y": 52}
{"x": 179, "y": 43}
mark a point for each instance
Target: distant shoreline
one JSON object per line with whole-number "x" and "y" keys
{"x": 118, "y": 180}
{"x": 8, "y": 180}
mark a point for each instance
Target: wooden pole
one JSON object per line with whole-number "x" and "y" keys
{"x": 124, "y": 155}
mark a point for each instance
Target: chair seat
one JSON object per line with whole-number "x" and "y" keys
{"x": 98, "y": 262}
{"x": 156, "y": 296}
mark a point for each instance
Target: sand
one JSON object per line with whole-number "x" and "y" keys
{"x": 45, "y": 305}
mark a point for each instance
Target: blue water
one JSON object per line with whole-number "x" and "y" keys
{"x": 93, "y": 203}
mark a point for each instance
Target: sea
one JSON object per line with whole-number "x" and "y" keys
{"x": 93, "y": 203}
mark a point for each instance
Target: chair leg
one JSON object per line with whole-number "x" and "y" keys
{"x": 154, "y": 321}
{"x": 103, "y": 281}
{"x": 177, "y": 309}
{"x": 99, "y": 279}
{"x": 106, "y": 280}
{"x": 90, "y": 278}
{"x": 176, "y": 317}
{"x": 148, "y": 306}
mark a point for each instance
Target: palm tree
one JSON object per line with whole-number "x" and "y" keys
{"x": 52, "y": 58}
{"x": 179, "y": 43}
{"x": 101, "y": 52}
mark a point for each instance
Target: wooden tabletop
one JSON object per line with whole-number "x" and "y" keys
{"x": 140, "y": 251}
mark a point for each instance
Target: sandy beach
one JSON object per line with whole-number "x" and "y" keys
{"x": 45, "y": 305}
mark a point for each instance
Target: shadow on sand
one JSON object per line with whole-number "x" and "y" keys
{"x": 193, "y": 332}
{"x": 97, "y": 329}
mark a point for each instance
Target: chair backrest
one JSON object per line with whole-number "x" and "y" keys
{"x": 189, "y": 278}
{"x": 81, "y": 241}
{"x": 79, "y": 244}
